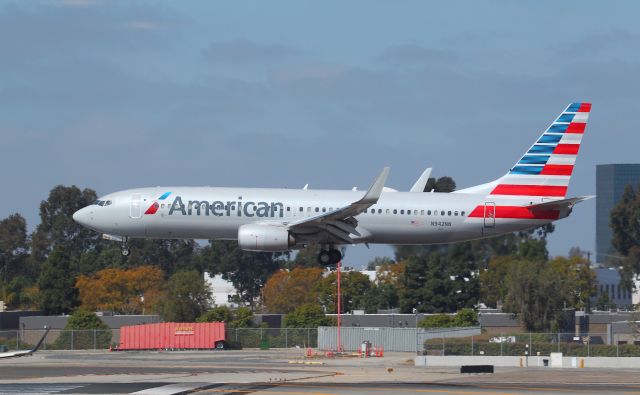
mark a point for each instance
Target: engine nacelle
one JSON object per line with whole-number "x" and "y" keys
{"x": 262, "y": 237}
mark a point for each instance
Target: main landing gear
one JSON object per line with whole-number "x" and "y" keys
{"x": 329, "y": 256}
{"x": 125, "y": 247}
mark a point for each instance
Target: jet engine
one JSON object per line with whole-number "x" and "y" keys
{"x": 263, "y": 237}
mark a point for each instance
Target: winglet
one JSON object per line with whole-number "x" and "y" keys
{"x": 422, "y": 181}
{"x": 375, "y": 190}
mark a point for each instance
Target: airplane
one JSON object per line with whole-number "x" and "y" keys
{"x": 22, "y": 353}
{"x": 531, "y": 194}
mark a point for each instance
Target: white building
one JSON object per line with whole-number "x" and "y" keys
{"x": 222, "y": 291}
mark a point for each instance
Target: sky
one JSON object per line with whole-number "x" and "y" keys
{"x": 112, "y": 95}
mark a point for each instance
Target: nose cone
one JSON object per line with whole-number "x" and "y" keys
{"x": 82, "y": 216}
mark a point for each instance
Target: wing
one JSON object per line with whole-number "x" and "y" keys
{"x": 341, "y": 223}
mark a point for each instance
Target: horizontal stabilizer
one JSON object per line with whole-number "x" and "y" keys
{"x": 558, "y": 204}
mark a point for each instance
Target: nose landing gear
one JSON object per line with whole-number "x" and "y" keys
{"x": 329, "y": 256}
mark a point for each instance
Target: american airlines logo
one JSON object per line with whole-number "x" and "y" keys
{"x": 219, "y": 208}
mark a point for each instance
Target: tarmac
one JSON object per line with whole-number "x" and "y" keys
{"x": 285, "y": 372}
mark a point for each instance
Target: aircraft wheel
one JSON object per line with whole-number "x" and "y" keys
{"x": 324, "y": 258}
{"x": 125, "y": 251}
{"x": 336, "y": 256}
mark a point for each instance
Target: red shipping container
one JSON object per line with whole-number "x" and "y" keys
{"x": 173, "y": 335}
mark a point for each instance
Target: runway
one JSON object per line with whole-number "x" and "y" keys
{"x": 284, "y": 372}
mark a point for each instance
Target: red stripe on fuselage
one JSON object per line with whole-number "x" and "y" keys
{"x": 576, "y": 127}
{"x": 516, "y": 212}
{"x": 557, "y": 170}
{"x": 567, "y": 149}
{"x": 530, "y": 190}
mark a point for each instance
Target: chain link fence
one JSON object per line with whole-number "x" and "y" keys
{"x": 520, "y": 344}
{"x": 91, "y": 339}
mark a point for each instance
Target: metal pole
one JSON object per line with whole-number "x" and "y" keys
{"x": 308, "y": 337}
{"x": 72, "y": 338}
{"x": 471, "y": 345}
{"x": 286, "y": 337}
{"x": 339, "y": 267}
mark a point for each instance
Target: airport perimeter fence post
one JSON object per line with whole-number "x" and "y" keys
{"x": 94, "y": 339}
{"x": 286, "y": 337}
{"x": 501, "y": 342}
{"x": 72, "y": 333}
{"x": 558, "y": 341}
{"x": 308, "y": 337}
{"x": 530, "y": 348}
{"x": 443, "y": 347}
{"x": 471, "y": 345}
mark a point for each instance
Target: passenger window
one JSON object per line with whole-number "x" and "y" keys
{"x": 428, "y": 212}
{"x": 408, "y": 212}
{"x": 415, "y": 212}
{"x": 395, "y": 211}
{"x": 288, "y": 208}
{"x": 324, "y": 209}
{"x": 449, "y": 213}
{"x": 401, "y": 211}
{"x": 462, "y": 213}
{"x": 301, "y": 209}
{"x": 387, "y": 211}
{"x": 379, "y": 211}
{"x": 317, "y": 209}
{"x": 455, "y": 213}
{"x": 421, "y": 212}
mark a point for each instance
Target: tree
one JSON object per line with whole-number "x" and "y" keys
{"x": 536, "y": 294}
{"x": 242, "y": 317}
{"x": 57, "y": 227}
{"x": 57, "y": 292}
{"x": 126, "y": 291}
{"x": 493, "y": 280}
{"x": 442, "y": 184}
{"x": 187, "y": 297}
{"x": 14, "y": 248}
{"x": 625, "y": 224}
{"x": 428, "y": 287}
{"x": 307, "y": 316}
{"x": 248, "y": 271}
{"x": 354, "y": 287}
{"x": 463, "y": 318}
{"x": 83, "y": 319}
{"x": 286, "y": 290}
{"x": 379, "y": 261}
{"x": 385, "y": 292}
{"x": 84, "y": 330}
{"x": 307, "y": 257}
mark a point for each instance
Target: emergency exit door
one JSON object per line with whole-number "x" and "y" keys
{"x": 136, "y": 206}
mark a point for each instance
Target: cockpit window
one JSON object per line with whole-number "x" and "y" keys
{"x": 102, "y": 203}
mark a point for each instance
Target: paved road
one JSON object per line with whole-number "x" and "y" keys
{"x": 271, "y": 373}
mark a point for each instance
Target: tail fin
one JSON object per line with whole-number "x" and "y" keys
{"x": 546, "y": 168}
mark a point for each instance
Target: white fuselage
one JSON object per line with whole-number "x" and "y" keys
{"x": 217, "y": 213}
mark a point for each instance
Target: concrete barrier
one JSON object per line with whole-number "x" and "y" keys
{"x": 535, "y": 361}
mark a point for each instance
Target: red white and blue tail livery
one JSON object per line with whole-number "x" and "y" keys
{"x": 531, "y": 194}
